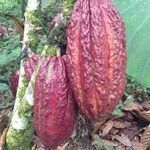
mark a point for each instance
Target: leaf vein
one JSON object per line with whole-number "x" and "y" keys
{"x": 138, "y": 29}
{"x": 130, "y": 6}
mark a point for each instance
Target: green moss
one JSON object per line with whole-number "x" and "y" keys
{"x": 23, "y": 88}
{"x": 19, "y": 139}
{"x": 33, "y": 17}
{"x": 67, "y": 7}
{"x": 33, "y": 83}
{"x": 50, "y": 50}
{"x": 33, "y": 40}
{"x": 25, "y": 110}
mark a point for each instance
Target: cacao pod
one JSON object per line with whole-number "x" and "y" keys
{"x": 96, "y": 50}
{"x": 2, "y": 31}
{"x": 54, "y": 107}
{"x": 14, "y": 82}
{"x": 29, "y": 67}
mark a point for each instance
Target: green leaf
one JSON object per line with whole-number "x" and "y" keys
{"x": 2, "y": 77}
{"x": 6, "y": 57}
{"x": 101, "y": 145}
{"x": 44, "y": 3}
{"x": 129, "y": 100}
{"x": 136, "y": 14}
{"x": 108, "y": 147}
{"x": 117, "y": 112}
{"x": 3, "y": 87}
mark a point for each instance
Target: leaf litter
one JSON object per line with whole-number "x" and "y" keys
{"x": 128, "y": 130}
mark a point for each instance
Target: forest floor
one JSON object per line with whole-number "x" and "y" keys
{"x": 127, "y": 129}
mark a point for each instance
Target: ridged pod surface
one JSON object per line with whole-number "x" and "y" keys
{"x": 29, "y": 67}
{"x": 96, "y": 53}
{"x": 14, "y": 78}
{"x": 54, "y": 107}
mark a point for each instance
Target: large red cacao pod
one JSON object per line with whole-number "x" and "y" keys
{"x": 96, "y": 53}
{"x": 54, "y": 107}
{"x": 29, "y": 67}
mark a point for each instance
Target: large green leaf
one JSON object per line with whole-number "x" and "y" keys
{"x": 3, "y": 87}
{"x": 136, "y": 14}
{"x": 6, "y": 57}
{"x": 44, "y": 3}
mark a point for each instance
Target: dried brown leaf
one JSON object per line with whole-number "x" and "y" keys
{"x": 133, "y": 106}
{"x": 121, "y": 124}
{"x": 121, "y": 147}
{"x": 95, "y": 138}
{"x": 2, "y": 138}
{"x": 110, "y": 143}
{"x": 38, "y": 29}
{"x": 107, "y": 127}
{"x": 145, "y": 139}
{"x": 3, "y": 124}
{"x": 145, "y": 115}
{"x": 38, "y": 143}
{"x": 146, "y": 105}
{"x": 137, "y": 145}
{"x": 123, "y": 139}
{"x": 63, "y": 147}
{"x": 96, "y": 127}
{"x": 4, "y": 112}
{"x": 40, "y": 148}
{"x": 114, "y": 131}
{"x": 33, "y": 147}
{"x": 132, "y": 132}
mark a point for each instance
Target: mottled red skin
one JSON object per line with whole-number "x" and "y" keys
{"x": 2, "y": 31}
{"x": 54, "y": 107}
{"x": 14, "y": 82}
{"x": 96, "y": 51}
{"x": 29, "y": 67}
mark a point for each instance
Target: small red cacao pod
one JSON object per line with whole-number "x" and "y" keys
{"x": 96, "y": 50}
{"x": 2, "y": 31}
{"x": 54, "y": 107}
{"x": 29, "y": 67}
{"x": 14, "y": 82}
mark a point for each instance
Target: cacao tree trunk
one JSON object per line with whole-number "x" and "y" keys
{"x": 23, "y": 6}
{"x": 20, "y": 132}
